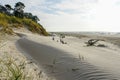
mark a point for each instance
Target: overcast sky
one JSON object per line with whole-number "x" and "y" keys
{"x": 74, "y": 15}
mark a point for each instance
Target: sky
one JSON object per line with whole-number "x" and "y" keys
{"x": 74, "y": 15}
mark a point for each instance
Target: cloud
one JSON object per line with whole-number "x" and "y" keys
{"x": 78, "y": 15}
{"x": 73, "y": 6}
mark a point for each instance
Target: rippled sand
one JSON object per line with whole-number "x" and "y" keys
{"x": 73, "y": 61}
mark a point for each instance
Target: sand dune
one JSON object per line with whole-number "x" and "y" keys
{"x": 73, "y": 61}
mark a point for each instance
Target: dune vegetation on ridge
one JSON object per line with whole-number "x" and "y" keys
{"x": 9, "y": 22}
{"x": 16, "y": 17}
{"x": 13, "y": 64}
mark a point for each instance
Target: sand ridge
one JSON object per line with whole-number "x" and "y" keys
{"x": 105, "y": 58}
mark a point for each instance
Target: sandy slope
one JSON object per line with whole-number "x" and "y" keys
{"x": 8, "y": 49}
{"x": 73, "y": 61}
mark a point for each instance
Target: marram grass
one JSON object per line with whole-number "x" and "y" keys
{"x": 10, "y": 22}
{"x": 10, "y": 70}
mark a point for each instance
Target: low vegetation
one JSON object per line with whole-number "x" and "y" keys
{"x": 7, "y": 23}
{"x": 10, "y": 70}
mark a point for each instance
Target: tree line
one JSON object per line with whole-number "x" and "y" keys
{"x": 17, "y": 11}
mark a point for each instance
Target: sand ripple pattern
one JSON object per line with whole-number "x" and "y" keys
{"x": 68, "y": 68}
{"x": 61, "y": 65}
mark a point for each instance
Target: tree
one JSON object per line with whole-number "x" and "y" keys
{"x": 28, "y": 15}
{"x": 35, "y": 18}
{"x": 2, "y": 9}
{"x": 18, "y": 10}
{"x": 9, "y": 8}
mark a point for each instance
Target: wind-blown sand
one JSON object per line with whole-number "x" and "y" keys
{"x": 50, "y": 60}
{"x": 9, "y": 50}
{"x": 73, "y": 61}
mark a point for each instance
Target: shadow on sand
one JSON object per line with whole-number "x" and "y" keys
{"x": 60, "y": 65}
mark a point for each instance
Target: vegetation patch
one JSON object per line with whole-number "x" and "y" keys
{"x": 7, "y": 30}
{"x": 19, "y": 18}
{"x": 9, "y": 22}
{"x": 10, "y": 70}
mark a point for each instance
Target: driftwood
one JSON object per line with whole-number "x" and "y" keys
{"x": 63, "y": 41}
{"x": 92, "y": 42}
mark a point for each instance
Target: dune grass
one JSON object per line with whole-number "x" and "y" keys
{"x": 9, "y": 22}
{"x": 10, "y": 70}
{"x": 16, "y": 67}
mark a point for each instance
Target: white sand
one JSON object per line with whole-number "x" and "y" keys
{"x": 106, "y": 58}
{"x": 9, "y": 49}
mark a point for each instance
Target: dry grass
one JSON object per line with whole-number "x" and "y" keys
{"x": 7, "y": 30}
{"x": 10, "y": 70}
{"x": 14, "y": 66}
{"x": 13, "y": 69}
{"x": 9, "y": 22}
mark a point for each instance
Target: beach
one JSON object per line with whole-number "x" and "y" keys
{"x": 46, "y": 58}
{"x": 60, "y": 40}
{"x": 18, "y": 61}
{"x": 74, "y": 60}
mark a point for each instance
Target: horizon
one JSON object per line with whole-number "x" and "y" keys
{"x": 85, "y": 31}
{"x": 75, "y": 15}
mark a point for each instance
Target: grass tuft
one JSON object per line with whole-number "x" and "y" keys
{"x": 7, "y": 30}
{"x": 10, "y": 70}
